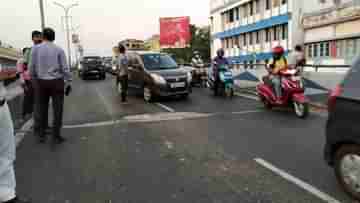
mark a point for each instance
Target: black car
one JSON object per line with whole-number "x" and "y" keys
{"x": 157, "y": 75}
{"x": 92, "y": 66}
{"x": 342, "y": 149}
{"x": 107, "y": 63}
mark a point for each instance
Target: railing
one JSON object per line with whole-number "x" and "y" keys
{"x": 317, "y": 68}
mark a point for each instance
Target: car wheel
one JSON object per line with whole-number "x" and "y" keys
{"x": 148, "y": 95}
{"x": 347, "y": 169}
{"x": 301, "y": 109}
{"x": 103, "y": 76}
{"x": 185, "y": 96}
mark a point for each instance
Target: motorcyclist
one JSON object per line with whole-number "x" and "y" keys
{"x": 218, "y": 61}
{"x": 196, "y": 60}
{"x": 278, "y": 64}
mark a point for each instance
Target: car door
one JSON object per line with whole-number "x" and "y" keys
{"x": 136, "y": 72}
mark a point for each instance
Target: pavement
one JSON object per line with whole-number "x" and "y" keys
{"x": 203, "y": 149}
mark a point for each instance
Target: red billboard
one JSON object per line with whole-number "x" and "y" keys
{"x": 175, "y": 32}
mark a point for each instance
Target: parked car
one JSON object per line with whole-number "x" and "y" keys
{"x": 342, "y": 149}
{"x": 107, "y": 63}
{"x": 157, "y": 75}
{"x": 91, "y": 66}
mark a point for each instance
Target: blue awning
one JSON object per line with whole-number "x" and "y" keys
{"x": 273, "y": 21}
{"x": 252, "y": 57}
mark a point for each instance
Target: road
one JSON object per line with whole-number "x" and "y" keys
{"x": 202, "y": 149}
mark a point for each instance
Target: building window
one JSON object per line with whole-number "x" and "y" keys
{"x": 251, "y": 38}
{"x": 251, "y": 5}
{"x": 316, "y": 52}
{"x": 283, "y": 2}
{"x": 245, "y": 40}
{"x": 257, "y": 37}
{"x": 276, "y": 37}
{"x": 322, "y": 46}
{"x": 268, "y": 3}
{"x": 231, "y": 16}
{"x": 267, "y": 35}
{"x": 327, "y": 49}
{"x": 310, "y": 50}
{"x": 284, "y": 29}
{"x": 322, "y": 1}
{"x": 237, "y": 17}
{"x": 257, "y": 6}
{"x": 227, "y": 43}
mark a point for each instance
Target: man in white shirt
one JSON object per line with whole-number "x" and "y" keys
{"x": 7, "y": 144}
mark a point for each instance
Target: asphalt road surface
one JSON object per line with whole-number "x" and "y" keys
{"x": 203, "y": 149}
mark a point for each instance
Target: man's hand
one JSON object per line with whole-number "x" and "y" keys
{"x": 68, "y": 90}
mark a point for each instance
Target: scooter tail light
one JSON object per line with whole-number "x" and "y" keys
{"x": 332, "y": 97}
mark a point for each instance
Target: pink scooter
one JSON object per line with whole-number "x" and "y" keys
{"x": 292, "y": 93}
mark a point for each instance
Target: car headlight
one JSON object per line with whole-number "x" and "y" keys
{"x": 114, "y": 68}
{"x": 158, "y": 79}
{"x": 79, "y": 66}
{"x": 189, "y": 77}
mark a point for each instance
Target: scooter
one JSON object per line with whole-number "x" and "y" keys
{"x": 292, "y": 93}
{"x": 226, "y": 82}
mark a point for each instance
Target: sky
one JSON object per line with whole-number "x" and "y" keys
{"x": 100, "y": 23}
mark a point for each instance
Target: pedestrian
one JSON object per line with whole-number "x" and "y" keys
{"x": 123, "y": 63}
{"x": 7, "y": 146}
{"x": 296, "y": 59}
{"x": 51, "y": 71}
{"x": 37, "y": 39}
{"x": 28, "y": 102}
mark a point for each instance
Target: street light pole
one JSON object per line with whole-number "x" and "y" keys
{"x": 42, "y": 15}
{"x": 66, "y": 10}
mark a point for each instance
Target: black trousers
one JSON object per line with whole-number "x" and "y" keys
{"x": 53, "y": 89}
{"x": 124, "y": 80}
{"x": 37, "y": 106}
{"x": 28, "y": 102}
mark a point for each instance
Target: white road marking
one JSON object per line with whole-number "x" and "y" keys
{"x": 106, "y": 104}
{"x": 165, "y": 107}
{"x": 153, "y": 118}
{"x": 298, "y": 182}
{"x": 19, "y": 136}
{"x": 247, "y": 112}
{"x": 248, "y": 96}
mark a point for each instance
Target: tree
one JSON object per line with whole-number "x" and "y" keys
{"x": 200, "y": 41}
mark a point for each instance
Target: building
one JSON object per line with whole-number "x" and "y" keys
{"x": 153, "y": 43}
{"x": 133, "y": 44}
{"x": 332, "y": 31}
{"x": 248, "y": 29}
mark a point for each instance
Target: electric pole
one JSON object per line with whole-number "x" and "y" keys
{"x": 42, "y": 15}
{"x": 66, "y": 10}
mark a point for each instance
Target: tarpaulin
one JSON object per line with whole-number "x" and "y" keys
{"x": 175, "y": 32}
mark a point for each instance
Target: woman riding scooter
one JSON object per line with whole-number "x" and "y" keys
{"x": 218, "y": 61}
{"x": 278, "y": 64}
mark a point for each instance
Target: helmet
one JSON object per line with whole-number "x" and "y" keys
{"x": 278, "y": 51}
{"x": 220, "y": 53}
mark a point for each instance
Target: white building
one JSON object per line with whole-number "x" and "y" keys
{"x": 332, "y": 31}
{"x": 248, "y": 29}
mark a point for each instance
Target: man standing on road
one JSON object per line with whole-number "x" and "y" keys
{"x": 28, "y": 102}
{"x": 123, "y": 63}
{"x": 37, "y": 39}
{"x": 7, "y": 146}
{"x": 52, "y": 73}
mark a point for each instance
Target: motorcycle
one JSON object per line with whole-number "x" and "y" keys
{"x": 200, "y": 75}
{"x": 226, "y": 82}
{"x": 292, "y": 93}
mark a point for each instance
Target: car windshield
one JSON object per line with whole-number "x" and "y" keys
{"x": 158, "y": 62}
{"x": 90, "y": 59}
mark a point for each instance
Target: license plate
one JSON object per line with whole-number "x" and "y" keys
{"x": 177, "y": 84}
